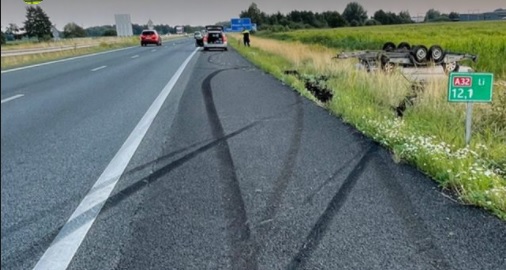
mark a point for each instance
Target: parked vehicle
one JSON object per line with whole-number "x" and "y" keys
{"x": 215, "y": 38}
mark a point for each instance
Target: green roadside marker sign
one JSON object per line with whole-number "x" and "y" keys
{"x": 470, "y": 87}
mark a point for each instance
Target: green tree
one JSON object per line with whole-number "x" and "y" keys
{"x": 12, "y": 28}
{"x": 432, "y": 15}
{"x": 334, "y": 19}
{"x": 355, "y": 14}
{"x": 110, "y": 33}
{"x": 37, "y": 23}
{"x": 72, "y": 30}
{"x": 3, "y": 38}
{"x": 405, "y": 17}
{"x": 254, "y": 13}
{"x": 454, "y": 16}
{"x": 381, "y": 16}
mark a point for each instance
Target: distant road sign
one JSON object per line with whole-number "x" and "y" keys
{"x": 470, "y": 87}
{"x": 239, "y": 24}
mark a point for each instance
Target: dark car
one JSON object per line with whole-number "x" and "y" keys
{"x": 150, "y": 37}
{"x": 199, "y": 39}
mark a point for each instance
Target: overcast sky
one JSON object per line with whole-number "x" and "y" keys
{"x": 201, "y": 12}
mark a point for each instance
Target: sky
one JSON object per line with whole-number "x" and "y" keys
{"x": 202, "y": 12}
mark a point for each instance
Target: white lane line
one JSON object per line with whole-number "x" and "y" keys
{"x": 135, "y": 56}
{"x": 153, "y": 50}
{"x": 63, "y": 248}
{"x": 99, "y": 68}
{"x": 65, "y": 60}
{"x": 11, "y": 98}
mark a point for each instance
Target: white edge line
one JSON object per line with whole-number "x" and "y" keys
{"x": 11, "y": 98}
{"x": 63, "y": 248}
{"x": 64, "y": 60}
{"x": 135, "y": 56}
{"x": 99, "y": 68}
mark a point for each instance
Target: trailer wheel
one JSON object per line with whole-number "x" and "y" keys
{"x": 389, "y": 46}
{"x": 450, "y": 67}
{"x": 387, "y": 66}
{"x": 436, "y": 53}
{"x": 404, "y": 46}
{"x": 420, "y": 53}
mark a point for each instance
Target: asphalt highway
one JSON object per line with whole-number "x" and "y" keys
{"x": 173, "y": 157}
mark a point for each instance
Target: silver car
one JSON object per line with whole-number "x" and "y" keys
{"x": 215, "y": 38}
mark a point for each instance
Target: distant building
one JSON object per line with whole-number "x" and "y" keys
{"x": 123, "y": 25}
{"x": 498, "y": 14}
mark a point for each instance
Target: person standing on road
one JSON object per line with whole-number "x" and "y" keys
{"x": 245, "y": 37}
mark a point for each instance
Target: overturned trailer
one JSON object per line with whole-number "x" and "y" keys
{"x": 405, "y": 55}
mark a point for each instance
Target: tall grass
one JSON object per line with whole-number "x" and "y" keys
{"x": 431, "y": 133}
{"x": 485, "y": 39}
{"x": 65, "y": 42}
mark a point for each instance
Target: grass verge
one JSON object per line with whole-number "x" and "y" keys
{"x": 430, "y": 135}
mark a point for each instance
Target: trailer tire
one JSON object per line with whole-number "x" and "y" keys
{"x": 389, "y": 46}
{"x": 404, "y": 46}
{"x": 451, "y": 67}
{"x": 436, "y": 54}
{"x": 387, "y": 66}
{"x": 420, "y": 53}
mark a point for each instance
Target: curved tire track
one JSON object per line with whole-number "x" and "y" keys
{"x": 322, "y": 224}
{"x": 288, "y": 166}
{"x": 242, "y": 246}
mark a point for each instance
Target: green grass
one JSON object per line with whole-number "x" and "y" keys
{"x": 486, "y": 39}
{"x": 430, "y": 135}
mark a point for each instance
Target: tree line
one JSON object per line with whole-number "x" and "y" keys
{"x": 38, "y": 25}
{"x": 354, "y": 14}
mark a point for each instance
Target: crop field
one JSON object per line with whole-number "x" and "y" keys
{"x": 430, "y": 132}
{"x": 485, "y": 39}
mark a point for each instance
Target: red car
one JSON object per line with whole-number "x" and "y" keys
{"x": 150, "y": 37}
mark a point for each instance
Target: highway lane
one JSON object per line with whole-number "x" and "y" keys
{"x": 237, "y": 171}
{"x": 60, "y": 135}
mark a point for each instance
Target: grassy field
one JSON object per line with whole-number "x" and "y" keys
{"x": 486, "y": 39}
{"x": 430, "y": 135}
{"x": 99, "y": 45}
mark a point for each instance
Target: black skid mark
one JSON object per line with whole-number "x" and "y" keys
{"x": 243, "y": 255}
